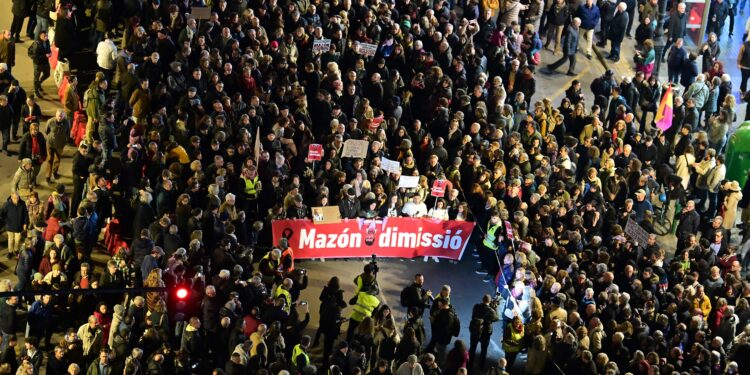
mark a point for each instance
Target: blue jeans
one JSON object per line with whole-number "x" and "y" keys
{"x": 702, "y": 196}
{"x": 712, "y": 200}
{"x": 6, "y": 141}
{"x": 42, "y": 24}
{"x": 615, "y": 51}
{"x": 6, "y": 338}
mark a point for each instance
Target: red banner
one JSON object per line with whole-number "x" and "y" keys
{"x": 389, "y": 238}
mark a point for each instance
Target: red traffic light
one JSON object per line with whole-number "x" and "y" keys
{"x": 182, "y": 293}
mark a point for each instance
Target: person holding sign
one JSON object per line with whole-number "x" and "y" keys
{"x": 438, "y": 212}
{"x": 490, "y": 246}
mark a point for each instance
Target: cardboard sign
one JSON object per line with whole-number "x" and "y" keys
{"x": 408, "y": 182}
{"x": 326, "y": 215}
{"x": 315, "y": 152}
{"x": 636, "y": 232}
{"x": 354, "y": 148}
{"x": 390, "y": 166}
{"x": 366, "y": 49}
{"x": 438, "y": 188}
{"x": 321, "y": 45}
{"x": 201, "y": 13}
{"x": 508, "y": 229}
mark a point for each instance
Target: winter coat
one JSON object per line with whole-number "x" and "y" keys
{"x": 570, "y": 43}
{"x": 618, "y": 26}
{"x": 22, "y": 179}
{"x": 16, "y": 216}
{"x": 26, "y": 148}
{"x": 731, "y": 200}
{"x": 677, "y": 26}
{"x": 57, "y": 134}
{"x": 589, "y": 16}
{"x": 510, "y": 14}
{"x": 558, "y": 16}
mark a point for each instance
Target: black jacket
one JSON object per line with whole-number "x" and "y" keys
{"x": 618, "y": 26}
{"x": 6, "y": 117}
{"x": 15, "y": 216}
{"x": 8, "y": 318}
{"x": 677, "y": 26}
{"x": 26, "y": 147}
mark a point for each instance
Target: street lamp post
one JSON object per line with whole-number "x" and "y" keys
{"x": 660, "y": 41}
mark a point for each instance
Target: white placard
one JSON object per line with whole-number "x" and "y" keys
{"x": 408, "y": 182}
{"x": 321, "y": 45}
{"x": 366, "y": 49}
{"x": 354, "y": 148}
{"x": 390, "y": 166}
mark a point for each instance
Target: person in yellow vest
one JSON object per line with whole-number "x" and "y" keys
{"x": 286, "y": 262}
{"x": 250, "y": 188}
{"x": 367, "y": 278}
{"x": 513, "y": 339}
{"x": 490, "y": 245}
{"x": 269, "y": 267}
{"x": 283, "y": 291}
{"x": 300, "y": 358}
{"x": 365, "y": 302}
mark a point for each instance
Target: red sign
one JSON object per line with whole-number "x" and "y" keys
{"x": 509, "y": 229}
{"x": 438, "y": 188}
{"x": 397, "y": 237}
{"x": 315, "y": 152}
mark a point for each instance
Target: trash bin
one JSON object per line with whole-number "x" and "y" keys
{"x": 738, "y": 154}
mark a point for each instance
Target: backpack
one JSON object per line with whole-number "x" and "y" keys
{"x": 405, "y": 296}
{"x": 455, "y": 327}
{"x": 32, "y": 50}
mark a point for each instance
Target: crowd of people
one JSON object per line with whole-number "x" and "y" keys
{"x": 193, "y": 136}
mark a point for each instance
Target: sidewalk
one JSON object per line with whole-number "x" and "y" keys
{"x": 730, "y": 48}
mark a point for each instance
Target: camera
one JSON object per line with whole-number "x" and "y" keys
{"x": 374, "y": 264}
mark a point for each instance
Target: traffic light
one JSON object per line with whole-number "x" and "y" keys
{"x": 182, "y": 294}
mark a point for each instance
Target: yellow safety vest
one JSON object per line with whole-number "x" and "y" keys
{"x": 516, "y": 337}
{"x": 489, "y": 238}
{"x": 366, "y": 304}
{"x": 281, "y": 292}
{"x": 296, "y": 352}
{"x": 251, "y": 187}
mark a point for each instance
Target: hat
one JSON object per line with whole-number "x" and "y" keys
{"x": 350, "y": 192}
{"x": 733, "y": 186}
{"x": 609, "y": 73}
{"x": 640, "y": 192}
{"x": 343, "y": 344}
{"x": 274, "y": 44}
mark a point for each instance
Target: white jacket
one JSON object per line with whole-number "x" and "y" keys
{"x": 106, "y": 54}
